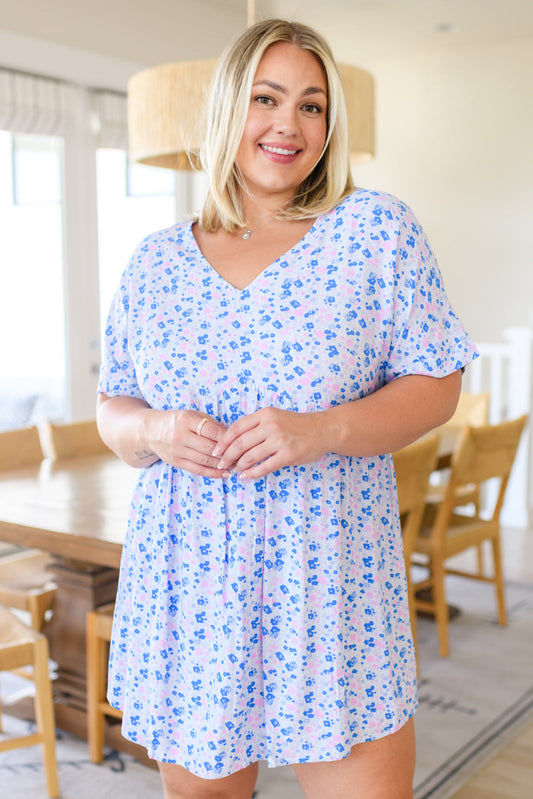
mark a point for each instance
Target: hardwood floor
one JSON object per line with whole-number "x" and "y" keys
{"x": 509, "y": 775}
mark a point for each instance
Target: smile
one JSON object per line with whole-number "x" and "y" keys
{"x": 279, "y": 150}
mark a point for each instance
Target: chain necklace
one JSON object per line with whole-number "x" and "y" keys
{"x": 249, "y": 231}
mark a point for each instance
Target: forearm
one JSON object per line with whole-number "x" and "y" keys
{"x": 122, "y": 424}
{"x": 393, "y": 416}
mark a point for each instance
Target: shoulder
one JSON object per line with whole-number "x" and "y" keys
{"x": 163, "y": 239}
{"x": 373, "y": 205}
{"x": 157, "y": 247}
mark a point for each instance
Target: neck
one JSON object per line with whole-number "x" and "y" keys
{"x": 258, "y": 211}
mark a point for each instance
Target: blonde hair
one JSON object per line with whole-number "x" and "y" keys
{"x": 228, "y": 104}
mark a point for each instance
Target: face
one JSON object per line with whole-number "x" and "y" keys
{"x": 285, "y": 128}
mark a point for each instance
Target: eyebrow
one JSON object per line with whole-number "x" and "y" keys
{"x": 278, "y": 87}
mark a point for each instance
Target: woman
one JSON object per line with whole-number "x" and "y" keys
{"x": 261, "y": 363}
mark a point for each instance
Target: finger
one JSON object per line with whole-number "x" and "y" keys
{"x": 244, "y": 445}
{"x": 200, "y": 470}
{"x": 253, "y": 456}
{"x": 203, "y": 457}
{"x": 233, "y": 432}
{"x": 207, "y": 427}
{"x": 200, "y": 444}
{"x": 267, "y": 466}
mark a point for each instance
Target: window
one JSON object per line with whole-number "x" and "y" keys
{"x": 32, "y": 327}
{"x": 133, "y": 201}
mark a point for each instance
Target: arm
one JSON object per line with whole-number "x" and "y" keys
{"x": 387, "y": 420}
{"x": 394, "y": 416}
{"x": 141, "y": 435}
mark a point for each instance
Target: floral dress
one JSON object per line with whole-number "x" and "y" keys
{"x": 268, "y": 619}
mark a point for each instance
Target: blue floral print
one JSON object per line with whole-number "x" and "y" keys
{"x": 268, "y": 620}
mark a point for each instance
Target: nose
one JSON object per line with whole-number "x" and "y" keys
{"x": 286, "y": 120}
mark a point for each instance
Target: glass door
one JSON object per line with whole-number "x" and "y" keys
{"x": 133, "y": 201}
{"x": 32, "y": 319}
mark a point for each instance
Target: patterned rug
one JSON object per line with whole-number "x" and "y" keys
{"x": 471, "y": 705}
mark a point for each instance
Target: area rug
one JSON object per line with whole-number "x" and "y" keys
{"x": 471, "y": 705}
{"x": 481, "y": 697}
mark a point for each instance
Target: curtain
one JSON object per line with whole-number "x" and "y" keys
{"x": 35, "y": 104}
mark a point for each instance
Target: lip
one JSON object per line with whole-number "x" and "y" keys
{"x": 279, "y": 153}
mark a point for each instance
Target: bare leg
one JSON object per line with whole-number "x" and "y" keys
{"x": 381, "y": 769}
{"x": 179, "y": 783}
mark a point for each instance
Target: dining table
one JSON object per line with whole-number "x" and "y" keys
{"x": 76, "y": 510}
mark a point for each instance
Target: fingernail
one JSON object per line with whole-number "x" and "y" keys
{"x": 216, "y": 452}
{"x": 226, "y": 474}
{"x": 222, "y": 465}
{"x": 243, "y": 476}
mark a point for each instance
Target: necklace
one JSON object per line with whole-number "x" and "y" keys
{"x": 249, "y": 231}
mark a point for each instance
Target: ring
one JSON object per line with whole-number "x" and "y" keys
{"x": 200, "y": 425}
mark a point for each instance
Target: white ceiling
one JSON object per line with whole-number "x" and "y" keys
{"x": 371, "y": 29}
{"x": 360, "y": 31}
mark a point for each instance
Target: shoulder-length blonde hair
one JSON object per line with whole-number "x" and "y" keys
{"x": 228, "y": 103}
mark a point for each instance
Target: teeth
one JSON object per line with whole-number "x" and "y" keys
{"x": 278, "y": 150}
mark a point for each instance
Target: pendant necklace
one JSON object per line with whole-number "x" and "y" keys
{"x": 249, "y": 231}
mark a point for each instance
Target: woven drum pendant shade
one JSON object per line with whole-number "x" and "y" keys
{"x": 165, "y": 105}
{"x": 358, "y": 87}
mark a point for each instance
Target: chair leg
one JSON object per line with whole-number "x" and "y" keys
{"x": 44, "y": 711}
{"x": 498, "y": 580}
{"x": 95, "y": 689}
{"x": 412, "y": 617}
{"x": 479, "y": 558}
{"x": 38, "y": 604}
{"x": 441, "y": 608}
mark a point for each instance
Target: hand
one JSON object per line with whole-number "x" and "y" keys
{"x": 270, "y": 439}
{"x": 185, "y": 439}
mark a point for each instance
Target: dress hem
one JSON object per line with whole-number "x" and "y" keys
{"x": 270, "y": 762}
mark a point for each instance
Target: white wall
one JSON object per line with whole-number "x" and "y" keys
{"x": 455, "y": 140}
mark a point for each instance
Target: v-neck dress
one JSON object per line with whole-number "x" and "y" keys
{"x": 268, "y": 619}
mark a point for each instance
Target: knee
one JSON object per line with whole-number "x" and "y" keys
{"x": 178, "y": 783}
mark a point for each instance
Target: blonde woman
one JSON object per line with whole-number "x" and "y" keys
{"x": 261, "y": 363}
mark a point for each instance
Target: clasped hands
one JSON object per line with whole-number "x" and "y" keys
{"x": 253, "y": 446}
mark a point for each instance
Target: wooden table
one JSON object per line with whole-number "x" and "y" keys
{"x": 77, "y": 511}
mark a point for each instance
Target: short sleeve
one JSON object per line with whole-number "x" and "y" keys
{"x": 428, "y": 338}
{"x": 117, "y": 371}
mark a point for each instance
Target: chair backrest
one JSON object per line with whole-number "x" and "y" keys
{"x": 72, "y": 440}
{"x": 413, "y": 465}
{"x": 19, "y": 448}
{"x": 472, "y": 409}
{"x": 484, "y": 453}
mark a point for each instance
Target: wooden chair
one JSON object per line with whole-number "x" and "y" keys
{"x": 25, "y": 582}
{"x": 483, "y": 453}
{"x": 72, "y": 440}
{"x": 20, "y": 448}
{"x": 472, "y": 409}
{"x": 99, "y": 624}
{"x": 413, "y": 466}
{"x": 22, "y": 646}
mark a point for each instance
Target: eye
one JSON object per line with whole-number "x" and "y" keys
{"x": 312, "y": 108}
{"x": 263, "y": 99}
